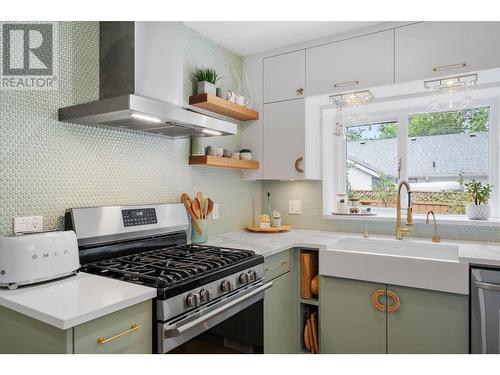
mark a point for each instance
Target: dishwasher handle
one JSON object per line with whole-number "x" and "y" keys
{"x": 489, "y": 286}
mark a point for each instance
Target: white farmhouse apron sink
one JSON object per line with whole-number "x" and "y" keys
{"x": 410, "y": 263}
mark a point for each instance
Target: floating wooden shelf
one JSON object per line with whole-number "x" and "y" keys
{"x": 220, "y": 162}
{"x": 224, "y": 107}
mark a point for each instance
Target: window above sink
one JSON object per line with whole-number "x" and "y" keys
{"x": 401, "y": 137}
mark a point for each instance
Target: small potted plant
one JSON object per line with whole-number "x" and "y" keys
{"x": 276, "y": 219}
{"x": 480, "y": 209}
{"x": 206, "y": 78}
{"x": 245, "y": 154}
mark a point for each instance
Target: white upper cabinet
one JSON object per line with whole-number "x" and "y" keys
{"x": 285, "y": 77}
{"x": 431, "y": 49}
{"x": 284, "y": 140}
{"x": 351, "y": 64}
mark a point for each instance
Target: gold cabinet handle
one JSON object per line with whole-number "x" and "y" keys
{"x": 376, "y": 299}
{"x": 300, "y": 91}
{"x": 396, "y": 302}
{"x": 282, "y": 263}
{"x": 298, "y": 165}
{"x": 133, "y": 327}
{"x": 343, "y": 84}
{"x": 449, "y": 67}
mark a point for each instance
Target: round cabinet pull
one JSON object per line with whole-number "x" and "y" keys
{"x": 376, "y": 299}
{"x": 298, "y": 165}
{"x": 396, "y": 301}
{"x": 300, "y": 91}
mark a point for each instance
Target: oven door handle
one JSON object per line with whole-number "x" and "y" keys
{"x": 173, "y": 331}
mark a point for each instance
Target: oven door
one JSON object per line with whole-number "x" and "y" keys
{"x": 232, "y": 323}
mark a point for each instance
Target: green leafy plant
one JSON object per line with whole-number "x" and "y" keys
{"x": 206, "y": 74}
{"x": 479, "y": 192}
{"x": 245, "y": 150}
{"x": 385, "y": 190}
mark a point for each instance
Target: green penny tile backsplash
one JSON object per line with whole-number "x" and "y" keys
{"x": 310, "y": 192}
{"x": 47, "y": 166}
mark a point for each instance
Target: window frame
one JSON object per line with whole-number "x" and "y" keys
{"x": 334, "y": 155}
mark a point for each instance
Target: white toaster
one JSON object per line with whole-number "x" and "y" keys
{"x": 36, "y": 257}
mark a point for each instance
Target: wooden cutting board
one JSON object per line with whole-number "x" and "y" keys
{"x": 256, "y": 228}
{"x": 308, "y": 268}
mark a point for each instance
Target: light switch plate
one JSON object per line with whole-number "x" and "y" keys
{"x": 295, "y": 207}
{"x": 215, "y": 212}
{"x": 28, "y": 224}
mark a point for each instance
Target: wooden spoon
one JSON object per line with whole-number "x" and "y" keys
{"x": 187, "y": 203}
{"x": 197, "y": 208}
{"x": 210, "y": 206}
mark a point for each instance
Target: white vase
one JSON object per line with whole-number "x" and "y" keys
{"x": 205, "y": 87}
{"x": 477, "y": 211}
{"x": 246, "y": 155}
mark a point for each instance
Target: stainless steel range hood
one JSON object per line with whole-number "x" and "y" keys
{"x": 141, "y": 84}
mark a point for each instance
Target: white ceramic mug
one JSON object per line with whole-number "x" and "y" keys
{"x": 231, "y": 96}
{"x": 242, "y": 100}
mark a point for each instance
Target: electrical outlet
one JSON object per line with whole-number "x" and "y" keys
{"x": 28, "y": 224}
{"x": 295, "y": 207}
{"x": 215, "y": 212}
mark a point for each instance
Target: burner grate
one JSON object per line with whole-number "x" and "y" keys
{"x": 165, "y": 267}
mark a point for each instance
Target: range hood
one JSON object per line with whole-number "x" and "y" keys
{"x": 141, "y": 84}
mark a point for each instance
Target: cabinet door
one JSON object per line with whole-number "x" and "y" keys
{"x": 281, "y": 333}
{"x": 349, "y": 322}
{"x": 431, "y": 49}
{"x": 284, "y": 139}
{"x": 133, "y": 341}
{"x": 284, "y": 76}
{"x": 351, "y": 64}
{"x": 427, "y": 322}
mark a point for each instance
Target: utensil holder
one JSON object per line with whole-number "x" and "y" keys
{"x": 195, "y": 236}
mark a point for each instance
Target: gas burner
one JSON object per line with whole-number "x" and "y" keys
{"x": 167, "y": 267}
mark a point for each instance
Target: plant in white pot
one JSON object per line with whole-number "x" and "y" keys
{"x": 245, "y": 154}
{"x": 206, "y": 78}
{"x": 480, "y": 209}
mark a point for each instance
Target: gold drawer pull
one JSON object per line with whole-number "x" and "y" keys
{"x": 300, "y": 91}
{"x": 133, "y": 327}
{"x": 376, "y": 299}
{"x": 396, "y": 301}
{"x": 282, "y": 263}
{"x": 343, "y": 84}
{"x": 449, "y": 67}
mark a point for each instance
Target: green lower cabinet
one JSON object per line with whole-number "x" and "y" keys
{"x": 349, "y": 323}
{"x": 126, "y": 331}
{"x": 428, "y": 322}
{"x": 413, "y": 321}
{"x": 24, "y": 335}
{"x": 281, "y": 321}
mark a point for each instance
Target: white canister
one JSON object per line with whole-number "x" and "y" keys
{"x": 341, "y": 204}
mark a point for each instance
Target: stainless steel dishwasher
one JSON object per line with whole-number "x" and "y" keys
{"x": 485, "y": 310}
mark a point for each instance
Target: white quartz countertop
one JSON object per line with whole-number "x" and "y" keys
{"x": 268, "y": 244}
{"x": 74, "y": 300}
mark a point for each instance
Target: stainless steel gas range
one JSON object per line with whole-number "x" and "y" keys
{"x": 210, "y": 299}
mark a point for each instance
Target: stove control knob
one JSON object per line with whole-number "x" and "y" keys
{"x": 205, "y": 295}
{"x": 192, "y": 300}
{"x": 252, "y": 276}
{"x": 244, "y": 278}
{"x": 226, "y": 286}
